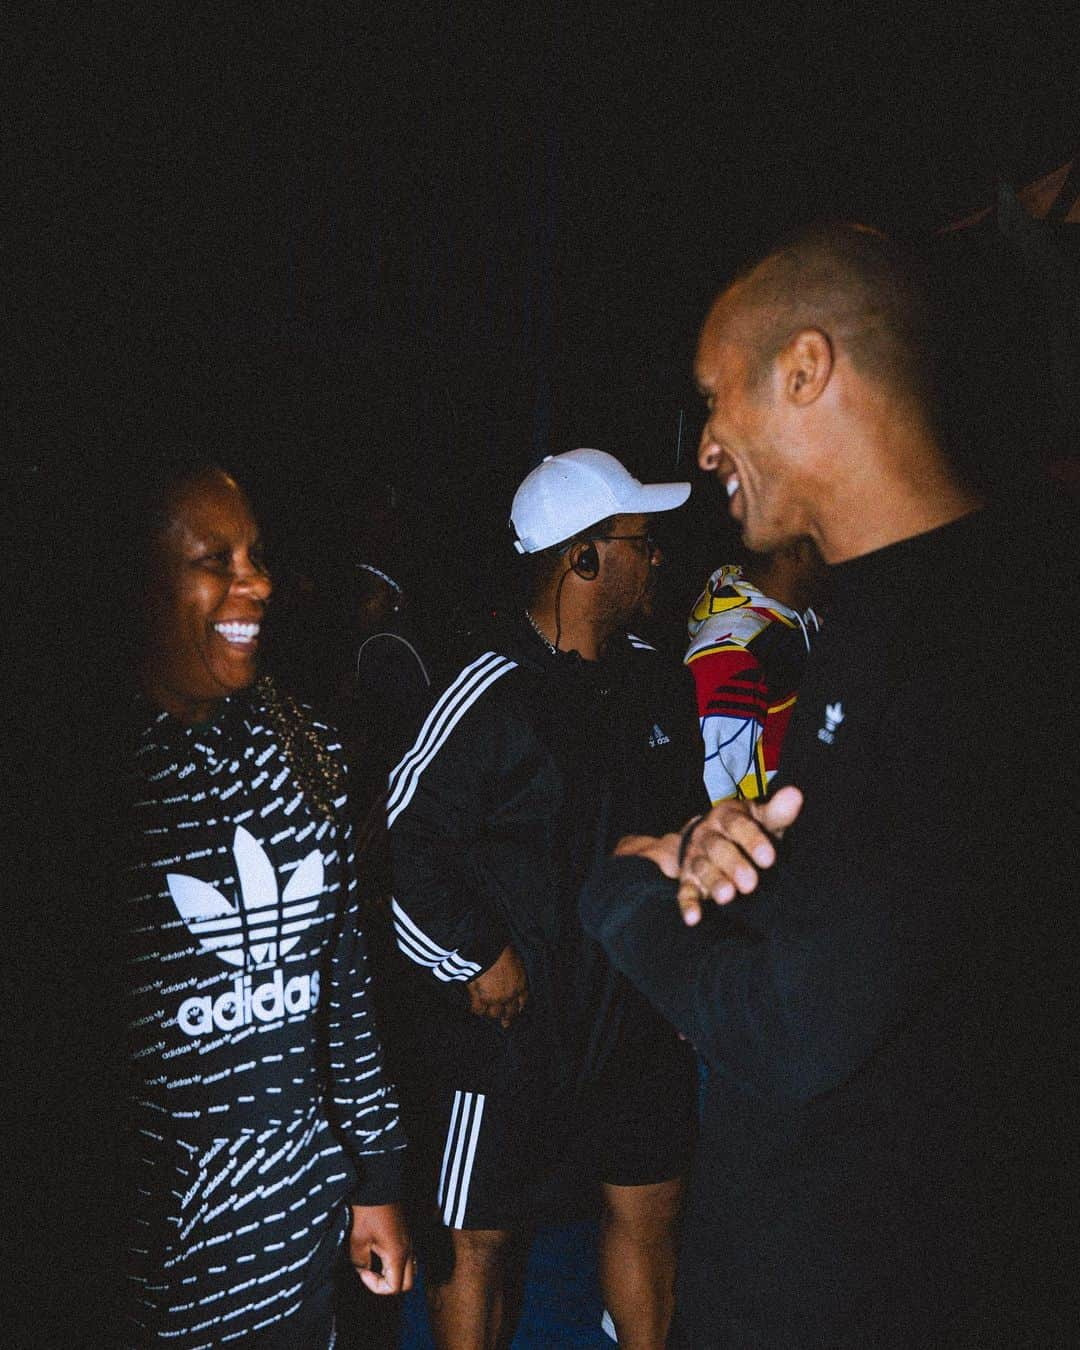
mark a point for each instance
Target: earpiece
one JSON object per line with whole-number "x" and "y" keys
{"x": 587, "y": 563}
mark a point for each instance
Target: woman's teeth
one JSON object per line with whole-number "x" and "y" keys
{"x": 237, "y": 632}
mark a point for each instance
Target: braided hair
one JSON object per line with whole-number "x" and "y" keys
{"x": 317, "y": 771}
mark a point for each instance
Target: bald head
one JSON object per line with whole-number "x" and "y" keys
{"x": 855, "y": 286}
{"x": 817, "y": 369}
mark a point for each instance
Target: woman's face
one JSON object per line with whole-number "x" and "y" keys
{"x": 206, "y": 599}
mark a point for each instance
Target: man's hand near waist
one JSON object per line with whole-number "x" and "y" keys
{"x": 501, "y": 991}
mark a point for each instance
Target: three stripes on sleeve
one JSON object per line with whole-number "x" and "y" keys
{"x": 469, "y": 686}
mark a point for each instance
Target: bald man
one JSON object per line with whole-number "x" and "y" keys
{"x": 879, "y": 994}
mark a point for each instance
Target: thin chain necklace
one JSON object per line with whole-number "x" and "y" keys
{"x": 536, "y": 629}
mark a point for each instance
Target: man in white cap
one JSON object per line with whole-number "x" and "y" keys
{"x": 541, "y": 1074}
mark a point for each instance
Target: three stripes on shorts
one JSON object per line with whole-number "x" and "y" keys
{"x": 459, "y": 1157}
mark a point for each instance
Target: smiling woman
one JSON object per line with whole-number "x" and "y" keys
{"x": 206, "y": 596}
{"x": 266, "y": 1145}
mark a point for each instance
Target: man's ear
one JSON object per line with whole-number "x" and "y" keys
{"x": 583, "y": 560}
{"x": 806, "y": 365}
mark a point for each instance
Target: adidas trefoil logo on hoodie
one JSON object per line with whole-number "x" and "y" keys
{"x": 252, "y": 936}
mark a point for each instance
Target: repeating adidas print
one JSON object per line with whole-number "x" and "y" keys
{"x": 253, "y": 1130}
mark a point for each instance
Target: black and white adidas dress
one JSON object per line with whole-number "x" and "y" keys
{"x": 261, "y": 1106}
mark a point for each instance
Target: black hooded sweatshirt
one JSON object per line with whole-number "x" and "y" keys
{"x": 887, "y": 1016}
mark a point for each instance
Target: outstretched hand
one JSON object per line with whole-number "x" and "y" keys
{"x": 727, "y": 848}
{"x": 379, "y": 1249}
{"x": 501, "y": 991}
{"x": 722, "y": 853}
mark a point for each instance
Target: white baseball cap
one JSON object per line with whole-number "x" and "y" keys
{"x": 565, "y": 494}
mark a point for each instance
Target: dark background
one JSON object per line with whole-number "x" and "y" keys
{"x": 380, "y": 259}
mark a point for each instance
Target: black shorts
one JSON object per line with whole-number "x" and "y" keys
{"x": 510, "y": 1157}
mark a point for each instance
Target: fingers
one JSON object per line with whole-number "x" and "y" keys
{"x": 409, "y": 1274}
{"x": 662, "y": 850}
{"x": 504, "y": 1013}
{"x": 501, "y": 991}
{"x": 501, "y": 1009}
{"x": 397, "y": 1270}
{"x": 379, "y": 1248}
{"x": 725, "y": 851}
{"x": 376, "y": 1281}
{"x": 780, "y": 811}
{"x": 722, "y": 858}
{"x": 689, "y": 900}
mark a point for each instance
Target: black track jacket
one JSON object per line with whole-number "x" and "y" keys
{"x": 529, "y": 767}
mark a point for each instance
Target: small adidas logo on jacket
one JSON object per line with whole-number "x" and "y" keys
{"x": 834, "y": 716}
{"x": 658, "y": 737}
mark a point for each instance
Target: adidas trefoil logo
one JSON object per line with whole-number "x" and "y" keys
{"x": 834, "y": 715}
{"x": 658, "y": 737}
{"x": 267, "y": 927}
{"x": 258, "y": 932}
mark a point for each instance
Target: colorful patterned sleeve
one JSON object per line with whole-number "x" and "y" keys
{"x": 732, "y": 708}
